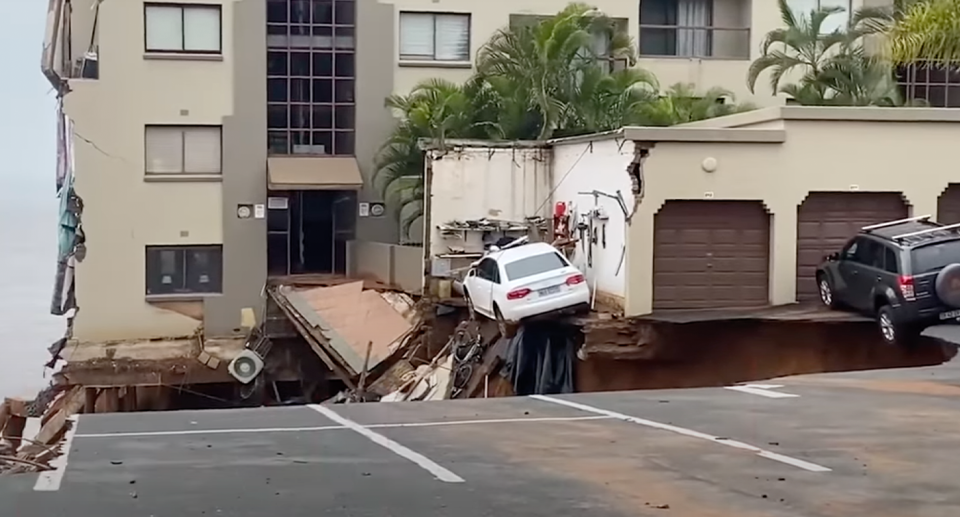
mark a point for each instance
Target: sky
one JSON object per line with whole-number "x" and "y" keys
{"x": 28, "y": 202}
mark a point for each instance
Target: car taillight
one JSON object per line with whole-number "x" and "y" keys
{"x": 517, "y": 294}
{"x": 905, "y": 282}
{"x": 575, "y": 279}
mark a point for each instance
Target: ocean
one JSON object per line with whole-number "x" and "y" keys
{"x": 28, "y": 204}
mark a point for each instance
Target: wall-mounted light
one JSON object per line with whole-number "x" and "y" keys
{"x": 709, "y": 164}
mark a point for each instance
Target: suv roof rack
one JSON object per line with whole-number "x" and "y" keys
{"x": 894, "y": 223}
{"x": 924, "y": 232}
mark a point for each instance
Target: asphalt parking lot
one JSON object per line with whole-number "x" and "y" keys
{"x": 865, "y": 444}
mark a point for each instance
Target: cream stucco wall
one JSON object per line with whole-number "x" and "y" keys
{"x": 122, "y": 212}
{"x": 759, "y": 16}
{"x": 911, "y": 157}
{"x": 472, "y": 183}
{"x": 599, "y": 165}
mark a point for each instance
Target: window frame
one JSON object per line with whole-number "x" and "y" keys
{"x": 183, "y": 36}
{"x": 183, "y": 155}
{"x": 848, "y": 13}
{"x": 434, "y": 59}
{"x": 183, "y": 269}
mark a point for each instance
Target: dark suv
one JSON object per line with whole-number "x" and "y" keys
{"x": 906, "y": 273}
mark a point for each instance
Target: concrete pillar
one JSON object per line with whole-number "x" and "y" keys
{"x": 783, "y": 251}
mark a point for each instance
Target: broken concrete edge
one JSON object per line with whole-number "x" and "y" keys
{"x": 119, "y": 363}
{"x": 129, "y": 372}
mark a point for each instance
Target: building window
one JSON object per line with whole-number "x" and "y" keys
{"x": 311, "y": 77}
{"x": 184, "y": 270}
{"x": 191, "y": 29}
{"x": 838, "y": 21}
{"x": 434, "y": 37}
{"x": 686, "y": 28}
{"x": 676, "y": 28}
{"x": 183, "y": 150}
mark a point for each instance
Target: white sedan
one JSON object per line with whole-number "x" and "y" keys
{"x": 520, "y": 282}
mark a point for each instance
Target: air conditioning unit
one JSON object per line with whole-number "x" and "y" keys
{"x": 88, "y": 66}
{"x": 246, "y": 366}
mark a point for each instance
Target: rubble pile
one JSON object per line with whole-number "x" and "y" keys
{"x": 19, "y": 454}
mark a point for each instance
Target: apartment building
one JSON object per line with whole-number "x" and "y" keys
{"x": 704, "y": 42}
{"x": 217, "y": 142}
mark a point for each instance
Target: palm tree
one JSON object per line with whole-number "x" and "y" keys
{"x": 916, "y": 30}
{"x": 604, "y": 101}
{"x": 436, "y": 110}
{"x": 544, "y": 63}
{"x": 856, "y": 79}
{"x": 801, "y": 45}
{"x": 836, "y": 69}
{"x": 681, "y": 104}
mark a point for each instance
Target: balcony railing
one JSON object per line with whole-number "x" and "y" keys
{"x": 932, "y": 83}
{"x": 694, "y": 42}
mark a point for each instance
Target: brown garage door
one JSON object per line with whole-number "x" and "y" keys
{"x": 825, "y": 220}
{"x": 711, "y": 254}
{"x": 948, "y": 206}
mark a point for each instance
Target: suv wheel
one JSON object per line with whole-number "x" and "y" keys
{"x": 826, "y": 291}
{"x": 892, "y": 332}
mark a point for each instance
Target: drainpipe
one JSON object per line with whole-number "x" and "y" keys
{"x": 427, "y": 222}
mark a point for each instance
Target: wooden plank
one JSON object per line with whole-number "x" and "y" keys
{"x": 90, "y": 400}
{"x": 55, "y": 427}
{"x": 13, "y": 431}
{"x": 112, "y": 396}
{"x": 491, "y": 361}
{"x": 18, "y": 407}
{"x": 4, "y": 415}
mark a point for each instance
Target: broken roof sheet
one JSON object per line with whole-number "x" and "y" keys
{"x": 350, "y": 317}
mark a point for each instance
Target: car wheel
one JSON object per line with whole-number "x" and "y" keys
{"x": 825, "y": 289}
{"x": 501, "y": 322}
{"x": 892, "y": 332}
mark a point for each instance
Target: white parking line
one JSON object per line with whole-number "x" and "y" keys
{"x": 50, "y": 481}
{"x": 805, "y": 465}
{"x": 764, "y": 390}
{"x": 258, "y": 430}
{"x": 422, "y": 461}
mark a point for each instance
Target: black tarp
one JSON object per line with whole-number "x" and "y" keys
{"x": 539, "y": 360}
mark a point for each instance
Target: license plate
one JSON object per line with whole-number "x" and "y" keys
{"x": 949, "y": 315}
{"x": 549, "y": 290}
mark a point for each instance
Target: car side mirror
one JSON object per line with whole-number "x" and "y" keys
{"x": 833, "y": 256}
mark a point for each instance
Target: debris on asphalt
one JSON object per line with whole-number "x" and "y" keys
{"x": 23, "y": 454}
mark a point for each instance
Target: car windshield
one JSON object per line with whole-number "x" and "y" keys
{"x": 534, "y": 265}
{"x": 935, "y": 256}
